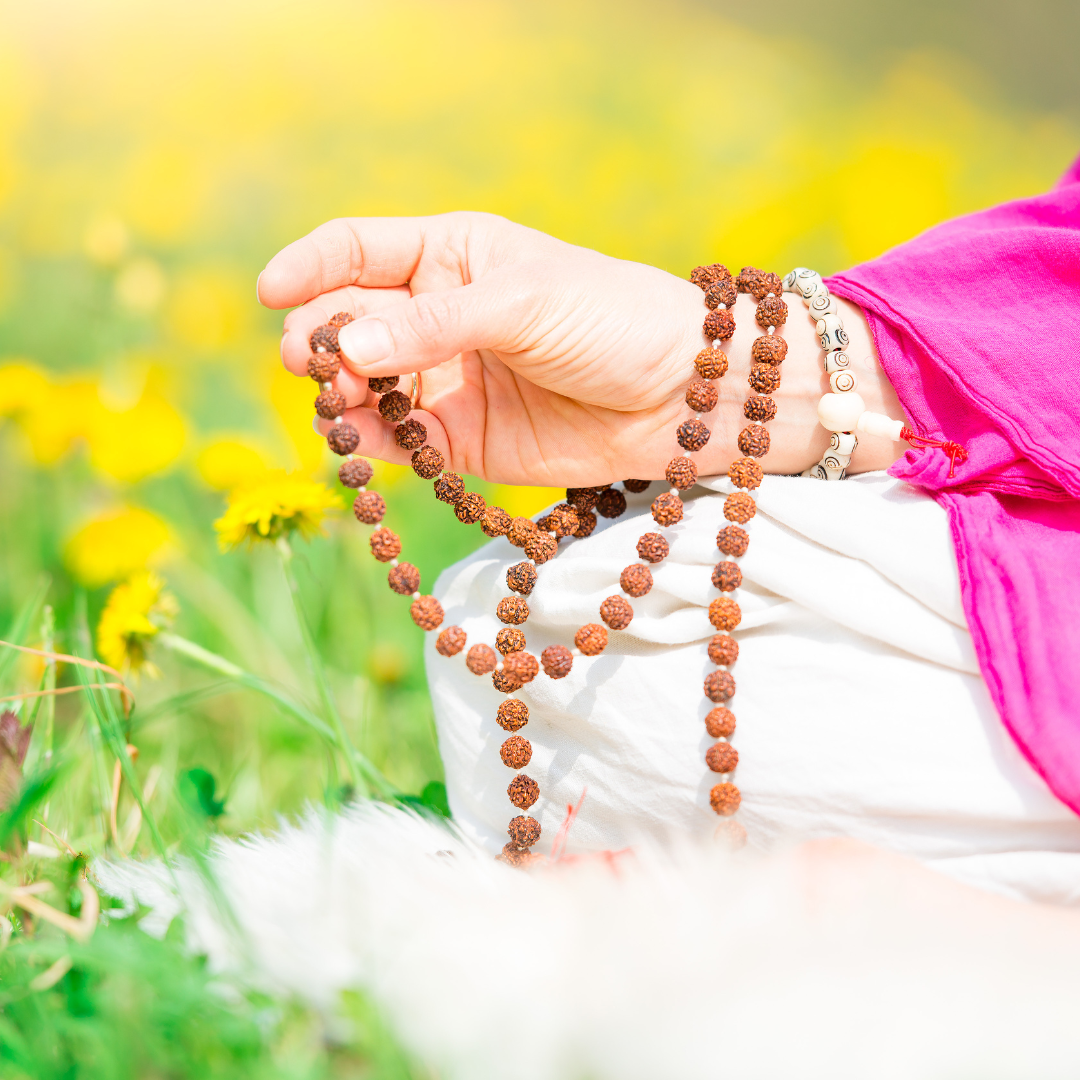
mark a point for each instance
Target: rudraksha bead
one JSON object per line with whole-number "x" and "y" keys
{"x": 410, "y": 434}
{"x": 747, "y": 277}
{"x": 772, "y": 311}
{"x": 692, "y": 434}
{"x": 523, "y": 791}
{"x": 521, "y": 578}
{"x": 719, "y": 324}
{"x": 523, "y": 831}
{"x": 616, "y": 612}
{"x": 394, "y": 406}
{"x": 764, "y": 378}
{"x": 681, "y": 473}
{"x": 557, "y": 661}
{"x": 330, "y": 403}
{"x": 324, "y": 337}
{"x": 542, "y": 523}
{"x": 505, "y": 682}
{"x": 725, "y": 799}
{"x": 723, "y": 650}
{"x": 611, "y": 503}
{"x": 355, "y": 473}
{"x": 711, "y": 363}
{"x": 343, "y": 439}
{"x": 404, "y": 578}
{"x": 513, "y": 610}
{"x": 764, "y": 283}
{"x": 385, "y": 545}
{"x": 740, "y": 507}
{"x": 383, "y": 384}
{"x": 704, "y": 276}
{"x": 724, "y": 613}
{"x": 754, "y": 440}
{"x": 721, "y": 292}
{"x": 449, "y": 488}
{"x": 745, "y": 473}
{"x": 719, "y": 685}
{"x": 522, "y": 666}
{"x": 369, "y": 507}
{"x": 516, "y": 752}
{"x": 591, "y": 639}
{"x": 726, "y": 576}
{"x": 521, "y": 528}
{"x": 470, "y": 508}
{"x": 342, "y": 318}
{"x": 702, "y": 396}
{"x": 323, "y": 366}
{"x": 720, "y": 723}
{"x": 667, "y": 509}
{"x": 636, "y": 486}
{"x": 759, "y": 409}
{"x": 583, "y": 498}
{"x": 732, "y": 540}
{"x": 509, "y": 639}
{"x": 518, "y": 858}
{"x": 428, "y": 462}
{"x": 722, "y": 757}
{"x": 451, "y": 641}
{"x": 652, "y": 547}
{"x": 562, "y": 520}
{"x": 636, "y": 580}
{"x": 481, "y": 659}
{"x": 513, "y": 715}
{"x": 586, "y": 522}
{"x": 495, "y": 522}
{"x": 768, "y": 349}
{"x": 540, "y": 547}
{"x": 426, "y": 612}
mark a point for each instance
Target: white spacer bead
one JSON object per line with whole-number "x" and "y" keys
{"x": 327, "y": 386}
{"x": 339, "y": 420}
{"x": 840, "y": 412}
{"x": 416, "y": 595}
{"x": 836, "y": 361}
{"x": 674, "y": 491}
{"x": 349, "y": 457}
{"x": 843, "y": 382}
{"x": 772, "y": 329}
{"x": 363, "y": 487}
{"x": 393, "y": 562}
{"x": 872, "y": 423}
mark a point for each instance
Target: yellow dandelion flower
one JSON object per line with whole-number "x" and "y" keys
{"x": 275, "y": 505}
{"x": 231, "y": 463}
{"x": 135, "y": 613}
{"x": 115, "y": 545}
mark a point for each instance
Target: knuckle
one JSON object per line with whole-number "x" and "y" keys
{"x": 431, "y": 319}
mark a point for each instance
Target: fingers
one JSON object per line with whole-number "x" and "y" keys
{"x": 377, "y": 435}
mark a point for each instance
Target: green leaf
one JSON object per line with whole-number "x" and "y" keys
{"x": 201, "y": 790}
{"x": 434, "y": 796}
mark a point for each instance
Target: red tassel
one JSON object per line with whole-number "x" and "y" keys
{"x": 955, "y": 451}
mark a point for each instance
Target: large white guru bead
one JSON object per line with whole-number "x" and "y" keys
{"x": 840, "y": 412}
{"x": 873, "y": 423}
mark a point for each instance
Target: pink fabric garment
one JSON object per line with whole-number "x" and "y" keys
{"x": 977, "y": 325}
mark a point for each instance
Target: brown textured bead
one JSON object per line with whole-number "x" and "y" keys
{"x": 636, "y": 580}
{"x": 450, "y": 488}
{"x": 394, "y": 406}
{"x": 516, "y": 752}
{"x": 745, "y": 473}
{"x": 369, "y": 507}
{"x": 616, "y": 612}
{"x": 426, "y": 612}
{"x": 611, "y": 503}
{"x": 702, "y": 396}
{"x": 523, "y": 831}
{"x": 704, "y": 276}
{"x": 451, "y": 641}
{"x": 330, "y": 403}
{"x": 725, "y": 799}
{"x": 754, "y": 441}
{"x": 428, "y": 462}
{"x": 385, "y": 545}
{"x": 636, "y": 486}
{"x": 692, "y": 434}
{"x": 765, "y": 283}
{"x": 586, "y": 522}
{"x": 723, "y": 650}
{"x": 557, "y": 660}
{"x": 342, "y": 318}
{"x": 343, "y": 439}
{"x": 505, "y": 682}
{"x": 481, "y": 659}
{"x": 724, "y": 613}
{"x": 591, "y": 639}
{"x": 495, "y": 522}
{"x": 470, "y": 508}
{"x": 523, "y": 791}
{"x": 726, "y": 576}
{"x": 667, "y": 509}
{"x": 764, "y": 378}
{"x": 747, "y": 278}
{"x": 513, "y": 610}
{"x": 759, "y": 409}
{"x": 719, "y": 685}
{"x": 410, "y": 434}
{"x": 681, "y": 473}
{"x": 404, "y": 578}
{"x": 521, "y": 578}
{"x": 711, "y": 363}
{"x": 732, "y": 540}
{"x": 722, "y": 757}
{"x": 355, "y": 473}
{"x": 324, "y": 337}
{"x": 719, "y": 325}
{"x": 720, "y": 723}
{"x": 772, "y": 311}
{"x": 652, "y": 547}
{"x": 509, "y": 639}
{"x": 768, "y": 349}
{"x": 583, "y": 498}
{"x": 562, "y": 520}
{"x": 513, "y": 714}
{"x": 540, "y": 547}
{"x": 521, "y": 528}
{"x": 522, "y": 666}
{"x": 323, "y": 366}
{"x": 721, "y": 292}
{"x": 542, "y": 523}
{"x": 518, "y": 858}
{"x": 740, "y": 507}
{"x": 383, "y": 384}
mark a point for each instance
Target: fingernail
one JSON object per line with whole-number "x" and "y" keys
{"x": 365, "y": 341}
{"x": 257, "y": 280}
{"x": 315, "y": 426}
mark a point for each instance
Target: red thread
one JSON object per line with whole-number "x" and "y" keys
{"x": 559, "y": 844}
{"x": 955, "y": 451}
